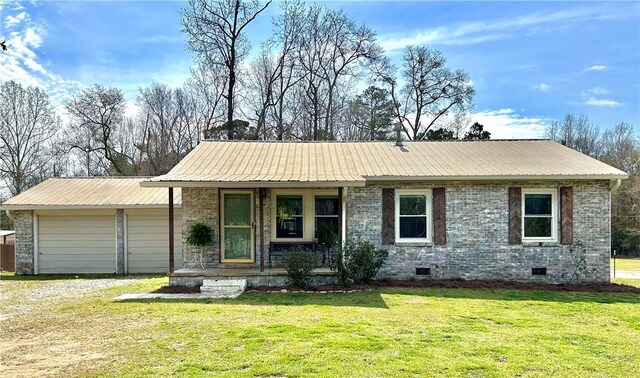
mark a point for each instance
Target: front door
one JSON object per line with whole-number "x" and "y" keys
{"x": 237, "y": 226}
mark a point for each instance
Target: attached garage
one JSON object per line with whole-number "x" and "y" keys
{"x": 147, "y": 240}
{"x": 95, "y": 225}
{"x": 76, "y": 242}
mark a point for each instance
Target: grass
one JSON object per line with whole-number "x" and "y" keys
{"x": 389, "y": 332}
{"x": 628, "y": 264}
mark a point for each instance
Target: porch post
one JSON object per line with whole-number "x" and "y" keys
{"x": 340, "y": 216}
{"x": 171, "y": 236}
{"x": 261, "y": 194}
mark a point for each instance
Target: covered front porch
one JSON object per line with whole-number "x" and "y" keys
{"x": 254, "y": 229}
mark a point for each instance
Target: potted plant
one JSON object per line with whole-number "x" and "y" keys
{"x": 327, "y": 238}
{"x": 200, "y": 235}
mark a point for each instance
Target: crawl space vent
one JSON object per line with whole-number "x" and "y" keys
{"x": 539, "y": 271}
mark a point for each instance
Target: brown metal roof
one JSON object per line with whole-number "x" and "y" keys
{"x": 250, "y": 163}
{"x": 77, "y": 193}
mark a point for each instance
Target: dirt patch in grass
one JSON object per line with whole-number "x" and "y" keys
{"x": 472, "y": 284}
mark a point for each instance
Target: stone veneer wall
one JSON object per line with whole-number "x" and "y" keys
{"x": 477, "y": 234}
{"x": 23, "y": 224}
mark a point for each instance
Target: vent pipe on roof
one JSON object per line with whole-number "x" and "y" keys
{"x": 398, "y": 129}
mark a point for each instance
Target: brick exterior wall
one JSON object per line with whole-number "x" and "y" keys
{"x": 199, "y": 205}
{"x": 23, "y": 224}
{"x": 477, "y": 227}
{"x": 477, "y": 234}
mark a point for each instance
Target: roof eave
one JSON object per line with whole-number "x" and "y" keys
{"x": 250, "y": 184}
{"x": 495, "y": 178}
{"x": 82, "y": 207}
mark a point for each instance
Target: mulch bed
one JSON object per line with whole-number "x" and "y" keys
{"x": 455, "y": 283}
{"x": 471, "y": 284}
{"x": 178, "y": 290}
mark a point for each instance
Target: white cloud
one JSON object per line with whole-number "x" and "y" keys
{"x": 21, "y": 61}
{"x": 598, "y": 91}
{"x": 12, "y": 21}
{"x": 602, "y": 102}
{"x": 542, "y": 87}
{"x": 596, "y": 68}
{"x": 507, "y": 124}
{"x": 492, "y": 30}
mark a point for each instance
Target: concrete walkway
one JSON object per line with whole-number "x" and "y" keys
{"x": 629, "y": 274}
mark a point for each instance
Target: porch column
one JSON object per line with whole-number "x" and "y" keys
{"x": 261, "y": 194}
{"x": 340, "y": 215}
{"x": 171, "y": 236}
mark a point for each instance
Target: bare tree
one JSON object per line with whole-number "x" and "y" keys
{"x": 99, "y": 112}
{"x": 207, "y": 86}
{"x": 27, "y": 124}
{"x": 575, "y": 131}
{"x": 331, "y": 48}
{"x": 216, "y": 34}
{"x": 428, "y": 90}
{"x": 622, "y": 148}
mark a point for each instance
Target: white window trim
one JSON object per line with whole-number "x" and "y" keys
{"x": 428, "y": 195}
{"x": 308, "y": 211}
{"x": 554, "y": 215}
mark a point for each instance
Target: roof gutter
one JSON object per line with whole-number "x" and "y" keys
{"x": 251, "y": 184}
{"x": 494, "y": 178}
{"x": 9, "y": 208}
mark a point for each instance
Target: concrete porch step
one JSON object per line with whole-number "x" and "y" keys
{"x": 224, "y": 287}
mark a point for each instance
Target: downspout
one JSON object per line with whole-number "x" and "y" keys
{"x": 614, "y": 185}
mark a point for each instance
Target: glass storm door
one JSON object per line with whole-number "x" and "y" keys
{"x": 237, "y": 226}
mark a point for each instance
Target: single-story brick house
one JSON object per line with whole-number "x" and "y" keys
{"x": 506, "y": 210}
{"x": 474, "y": 210}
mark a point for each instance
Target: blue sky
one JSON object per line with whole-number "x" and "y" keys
{"x": 530, "y": 62}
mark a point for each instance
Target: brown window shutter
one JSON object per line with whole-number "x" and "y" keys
{"x": 515, "y": 215}
{"x": 439, "y": 217}
{"x": 566, "y": 215}
{"x": 388, "y": 232}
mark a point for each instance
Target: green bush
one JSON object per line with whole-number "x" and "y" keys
{"x": 299, "y": 265}
{"x": 357, "y": 263}
{"x": 200, "y": 235}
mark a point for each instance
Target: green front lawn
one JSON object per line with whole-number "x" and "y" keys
{"x": 628, "y": 264}
{"x": 390, "y": 332}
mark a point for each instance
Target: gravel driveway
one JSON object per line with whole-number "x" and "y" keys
{"x": 18, "y": 297}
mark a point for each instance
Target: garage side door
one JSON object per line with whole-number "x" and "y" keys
{"x": 76, "y": 244}
{"x": 148, "y": 242}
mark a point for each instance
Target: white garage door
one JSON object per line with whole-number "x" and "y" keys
{"x": 148, "y": 241}
{"x": 76, "y": 244}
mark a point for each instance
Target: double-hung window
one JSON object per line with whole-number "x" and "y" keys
{"x": 326, "y": 214}
{"x": 539, "y": 209}
{"x": 305, "y": 215}
{"x": 289, "y": 216}
{"x": 413, "y": 216}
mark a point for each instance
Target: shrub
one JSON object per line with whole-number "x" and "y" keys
{"x": 357, "y": 263}
{"x": 299, "y": 265}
